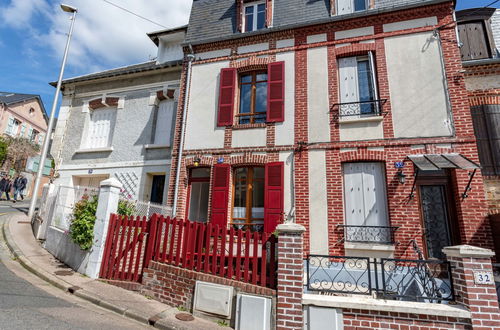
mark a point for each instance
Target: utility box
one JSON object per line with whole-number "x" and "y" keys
{"x": 323, "y": 318}
{"x": 213, "y": 299}
{"x": 253, "y": 312}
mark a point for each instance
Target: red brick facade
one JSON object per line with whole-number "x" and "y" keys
{"x": 404, "y": 212}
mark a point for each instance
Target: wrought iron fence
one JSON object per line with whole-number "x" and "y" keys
{"x": 360, "y": 108}
{"x": 399, "y": 279}
{"x": 368, "y": 234}
{"x": 496, "y": 274}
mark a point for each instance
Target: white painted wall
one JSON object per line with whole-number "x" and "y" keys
{"x": 316, "y": 38}
{"x": 284, "y": 131}
{"x": 364, "y": 31}
{"x": 416, "y": 84}
{"x": 317, "y": 95}
{"x": 213, "y": 54}
{"x": 410, "y": 24}
{"x": 201, "y": 124}
{"x": 285, "y": 43}
{"x": 318, "y": 206}
{"x": 255, "y": 137}
{"x": 253, "y": 48}
{"x": 361, "y": 130}
{"x": 287, "y": 158}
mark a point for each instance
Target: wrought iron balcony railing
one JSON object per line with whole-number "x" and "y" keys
{"x": 369, "y": 234}
{"x": 361, "y": 108}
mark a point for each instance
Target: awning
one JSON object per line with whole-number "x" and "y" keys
{"x": 434, "y": 162}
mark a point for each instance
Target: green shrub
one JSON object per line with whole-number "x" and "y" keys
{"x": 82, "y": 222}
{"x": 125, "y": 208}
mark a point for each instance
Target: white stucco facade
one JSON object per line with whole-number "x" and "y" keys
{"x": 317, "y": 95}
{"x": 318, "y": 204}
{"x": 285, "y": 129}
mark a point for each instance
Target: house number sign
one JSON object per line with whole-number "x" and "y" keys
{"x": 483, "y": 277}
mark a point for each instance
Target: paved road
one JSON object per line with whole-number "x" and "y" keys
{"x": 27, "y": 302}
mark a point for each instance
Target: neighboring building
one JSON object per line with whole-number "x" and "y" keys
{"x": 479, "y": 32}
{"x": 119, "y": 123}
{"x": 348, "y": 117}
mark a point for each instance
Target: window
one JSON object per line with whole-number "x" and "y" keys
{"x": 474, "y": 41}
{"x": 358, "y": 92}
{"x": 261, "y": 95}
{"x": 253, "y": 97}
{"x": 198, "y": 192}
{"x": 157, "y": 187}
{"x": 163, "y": 123}
{"x": 486, "y": 121}
{"x": 248, "y": 202}
{"x": 12, "y": 126}
{"x": 351, "y": 6}
{"x": 100, "y": 128}
{"x": 33, "y": 135}
{"x": 254, "y": 16}
{"x": 32, "y": 112}
{"x": 365, "y": 198}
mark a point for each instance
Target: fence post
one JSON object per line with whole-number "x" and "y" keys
{"x": 474, "y": 284}
{"x": 109, "y": 195}
{"x": 290, "y": 286}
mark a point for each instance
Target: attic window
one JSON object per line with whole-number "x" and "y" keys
{"x": 254, "y": 16}
{"x": 32, "y": 112}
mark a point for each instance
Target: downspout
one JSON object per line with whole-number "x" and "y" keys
{"x": 190, "y": 58}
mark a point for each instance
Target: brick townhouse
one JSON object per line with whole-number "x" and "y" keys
{"x": 350, "y": 117}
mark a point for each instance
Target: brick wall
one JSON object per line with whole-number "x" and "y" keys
{"x": 174, "y": 286}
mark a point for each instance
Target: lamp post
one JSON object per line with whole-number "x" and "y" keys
{"x": 47, "y": 138}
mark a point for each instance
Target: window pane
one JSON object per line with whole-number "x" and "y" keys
{"x": 261, "y": 16}
{"x": 245, "y": 98}
{"x": 258, "y": 197}
{"x": 244, "y": 120}
{"x": 261, "y": 97}
{"x": 365, "y": 86}
{"x": 249, "y": 18}
{"x": 246, "y": 78}
{"x": 258, "y": 173}
{"x": 261, "y": 77}
{"x": 240, "y": 189}
{"x": 198, "y": 201}
{"x": 359, "y": 5}
{"x": 203, "y": 172}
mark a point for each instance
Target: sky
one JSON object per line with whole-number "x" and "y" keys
{"x": 33, "y": 35}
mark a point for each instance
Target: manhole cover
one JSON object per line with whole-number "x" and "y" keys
{"x": 63, "y": 272}
{"x": 184, "y": 317}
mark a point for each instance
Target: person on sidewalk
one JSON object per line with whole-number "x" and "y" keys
{"x": 3, "y": 182}
{"x": 6, "y": 187}
{"x": 19, "y": 185}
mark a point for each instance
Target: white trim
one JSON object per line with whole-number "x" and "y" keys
{"x": 255, "y": 5}
{"x": 347, "y": 120}
{"x": 158, "y": 162}
{"x": 83, "y": 151}
{"x": 156, "y": 146}
{"x": 392, "y": 306}
{"x": 158, "y": 85}
{"x": 369, "y": 246}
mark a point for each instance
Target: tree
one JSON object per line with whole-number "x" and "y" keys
{"x": 19, "y": 150}
{"x": 3, "y": 149}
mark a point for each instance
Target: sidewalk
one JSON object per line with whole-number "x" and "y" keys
{"x": 19, "y": 238}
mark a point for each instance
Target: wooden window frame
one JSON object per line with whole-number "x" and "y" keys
{"x": 249, "y": 198}
{"x": 252, "y": 114}
{"x": 255, "y": 5}
{"x": 206, "y": 179}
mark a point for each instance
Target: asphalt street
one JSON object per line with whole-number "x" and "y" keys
{"x": 27, "y": 302}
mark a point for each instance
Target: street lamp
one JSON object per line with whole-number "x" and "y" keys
{"x": 46, "y": 140}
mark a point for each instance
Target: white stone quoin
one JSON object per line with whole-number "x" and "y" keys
{"x": 109, "y": 195}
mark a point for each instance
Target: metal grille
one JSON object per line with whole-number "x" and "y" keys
{"x": 147, "y": 209}
{"x": 368, "y": 234}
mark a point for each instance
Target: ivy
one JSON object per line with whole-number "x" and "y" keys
{"x": 83, "y": 219}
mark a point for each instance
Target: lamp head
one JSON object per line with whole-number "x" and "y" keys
{"x": 68, "y": 8}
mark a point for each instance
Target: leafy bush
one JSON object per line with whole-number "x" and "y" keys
{"x": 125, "y": 208}
{"x": 83, "y": 220}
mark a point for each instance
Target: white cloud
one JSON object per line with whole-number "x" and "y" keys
{"x": 104, "y": 36}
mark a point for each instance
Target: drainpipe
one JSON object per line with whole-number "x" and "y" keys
{"x": 190, "y": 58}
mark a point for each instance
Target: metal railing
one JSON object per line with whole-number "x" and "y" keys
{"x": 399, "y": 279}
{"x": 147, "y": 209}
{"x": 368, "y": 234}
{"x": 360, "y": 108}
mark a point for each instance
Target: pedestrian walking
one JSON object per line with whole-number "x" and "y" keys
{"x": 7, "y": 187}
{"x": 3, "y": 182}
{"x": 19, "y": 185}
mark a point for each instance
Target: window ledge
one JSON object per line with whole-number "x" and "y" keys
{"x": 347, "y": 120}
{"x": 84, "y": 151}
{"x": 156, "y": 146}
{"x": 375, "y": 246}
{"x": 247, "y": 126}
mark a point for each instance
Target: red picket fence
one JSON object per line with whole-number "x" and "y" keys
{"x": 234, "y": 254}
{"x": 123, "y": 257}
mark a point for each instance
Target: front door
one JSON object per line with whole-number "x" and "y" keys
{"x": 440, "y": 229}
{"x": 157, "y": 189}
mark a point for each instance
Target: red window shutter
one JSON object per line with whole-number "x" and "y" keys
{"x": 220, "y": 194}
{"x": 227, "y": 86}
{"x": 276, "y": 92}
{"x": 274, "y": 196}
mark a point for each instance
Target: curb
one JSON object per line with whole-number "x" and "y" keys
{"x": 80, "y": 293}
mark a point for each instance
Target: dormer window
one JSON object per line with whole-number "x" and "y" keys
{"x": 351, "y": 6}
{"x": 475, "y": 34}
{"x": 254, "y": 16}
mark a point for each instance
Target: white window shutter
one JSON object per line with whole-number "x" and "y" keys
{"x": 40, "y": 138}
{"x": 164, "y": 122}
{"x": 353, "y": 194}
{"x": 23, "y": 130}
{"x": 344, "y": 7}
{"x": 348, "y": 69}
{"x": 10, "y": 126}
{"x": 30, "y": 132}
{"x": 100, "y": 128}
{"x": 374, "y": 195}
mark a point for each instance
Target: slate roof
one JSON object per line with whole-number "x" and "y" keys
{"x": 214, "y": 20}
{"x": 130, "y": 69}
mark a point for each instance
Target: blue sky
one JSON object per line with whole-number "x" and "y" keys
{"x": 33, "y": 34}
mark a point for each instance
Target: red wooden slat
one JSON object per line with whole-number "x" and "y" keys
{"x": 230, "y": 267}
{"x": 215, "y": 249}
{"x": 156, "y": 256}
{"x": 185, "y": 243}
{"x": 199, "y": 249}
{"x": 238, "y": 255}
{"x": 173, "y": 235}
{"x": 192, "y": 249}
{"x": 255, "y": 258}
{"x": 165, "y": 238}
{"x": 222, "y": 265}
{"x": 247, "y": 256}
{"x": 263, "y": 259}
{"x": 117, "y": 262}
{"x": 272, "y": 262}
{"x": 208, "y": 235}
{"x": 126, "y": 253}
{"x": 115, "y": 246}
{"x": 142, "y": 236}
{"x": 180, "y": 225}
{"x": 109, "y": 243}
{"x": 130, "y": 274}
{"x": 151, "y": 241}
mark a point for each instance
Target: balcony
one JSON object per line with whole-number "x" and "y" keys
{"x": 361, "y": 109}
{"x": 368, "y": 234}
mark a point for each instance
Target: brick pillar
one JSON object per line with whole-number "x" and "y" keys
{"x": 474, "y": 285}
{"x": 290, "y": 277}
